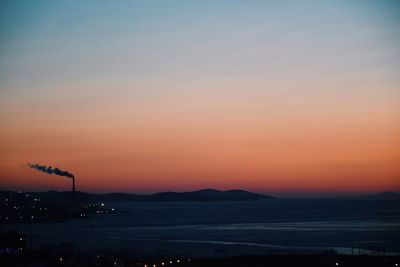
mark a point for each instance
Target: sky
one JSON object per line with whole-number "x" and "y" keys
{"x": 281, "y": 97}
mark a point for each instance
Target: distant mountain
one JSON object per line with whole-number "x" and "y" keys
{"x": 379, "y": 196}
{"x": 200, "y": 195}
{"x": 208, "y": 195}
{"x": 385, "y": 195}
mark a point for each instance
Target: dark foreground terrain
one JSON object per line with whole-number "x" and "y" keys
{"x": 282, "y": 232}
{"x": 46, "y": 259}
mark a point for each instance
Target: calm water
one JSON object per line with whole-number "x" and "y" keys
{"x": 228, "y": 228}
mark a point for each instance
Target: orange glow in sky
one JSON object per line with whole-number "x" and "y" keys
{"x": 209, "y": 97}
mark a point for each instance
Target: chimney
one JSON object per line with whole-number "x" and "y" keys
{"x": 73, "y": 192}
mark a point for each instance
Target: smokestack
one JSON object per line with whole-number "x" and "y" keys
{"x": 73, "y": 190}
{"x": 56, "y": 171}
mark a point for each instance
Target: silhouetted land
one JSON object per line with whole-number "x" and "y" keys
{"x": 211, "y": 230}
{"x": 381, "y": 196}
{"x": 200, "y": 195}
{"x": 28, "y": 207}
{"x": 53, "y": 206}
{"x": 46, "y": 258}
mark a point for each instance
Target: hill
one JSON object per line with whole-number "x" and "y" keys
{"x": 385, "y": 196}
{"x": 200, "y": 195}
{"x": 208, "y": 195}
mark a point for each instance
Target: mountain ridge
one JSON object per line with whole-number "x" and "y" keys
{"x": 208, "y": 194}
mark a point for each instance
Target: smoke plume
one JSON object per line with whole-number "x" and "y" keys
{"x": 50, "y": 170}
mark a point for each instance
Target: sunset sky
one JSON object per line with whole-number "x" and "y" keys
{"x": 280, "y": 97}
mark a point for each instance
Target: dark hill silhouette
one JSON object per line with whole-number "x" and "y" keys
{"x": 380, "y": 196}
{"x": 385, "y": 195}
{"x": 200, "y": 195}
{"x": 208, "y": 195}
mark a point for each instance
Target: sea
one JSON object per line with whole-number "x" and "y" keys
{"x": 229, "y": 228}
